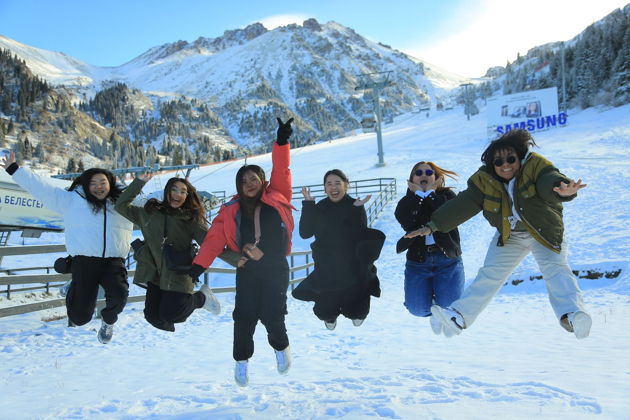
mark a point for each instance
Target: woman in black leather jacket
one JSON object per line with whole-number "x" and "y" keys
{"x": 434, "y": 270}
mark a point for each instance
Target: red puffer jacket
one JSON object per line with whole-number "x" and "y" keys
{"x": 277, "y": 193}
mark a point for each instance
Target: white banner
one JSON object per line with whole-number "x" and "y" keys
{"x": 535, "y": 110}
{"x": 19, "y": 209}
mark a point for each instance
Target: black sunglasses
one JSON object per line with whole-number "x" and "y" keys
{"x": 428, "y": 172}
{"x": 500, "y": 161}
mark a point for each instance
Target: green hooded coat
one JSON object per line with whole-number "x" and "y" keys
{"x": 539, "y": 207}
{"x": 180, "y": 233}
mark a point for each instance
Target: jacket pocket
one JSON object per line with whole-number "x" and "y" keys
{"x": 528, "y": 190}
{"x": 491, "y": 204}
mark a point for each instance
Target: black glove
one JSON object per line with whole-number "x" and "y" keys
{"x": 14, "y": 166}
{"x": 195, "y": 271}
{"x": 284, "y": 131}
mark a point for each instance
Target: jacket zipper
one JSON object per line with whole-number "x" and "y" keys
{"x": 104, "y": 228}
{"x": 516, "y": 208}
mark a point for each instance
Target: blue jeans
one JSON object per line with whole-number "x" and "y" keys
{"x": 438, "y": 278}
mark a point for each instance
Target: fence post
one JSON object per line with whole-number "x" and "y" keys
{"x": 292, "y": 265}
{"x": 8, "y": 291}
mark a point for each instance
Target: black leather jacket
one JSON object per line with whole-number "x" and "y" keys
{"x": 413, "y": 212}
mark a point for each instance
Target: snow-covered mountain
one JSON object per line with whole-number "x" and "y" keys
{"x": 216, "y": 98}
{"x": 249, "y": 75}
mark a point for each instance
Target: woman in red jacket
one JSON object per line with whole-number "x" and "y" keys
{"x": 258, "y": 224}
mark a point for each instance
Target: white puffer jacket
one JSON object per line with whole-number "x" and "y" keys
{"x": 103, "y": 234}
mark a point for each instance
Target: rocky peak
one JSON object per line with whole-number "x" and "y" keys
{"x": 312, "y": 24}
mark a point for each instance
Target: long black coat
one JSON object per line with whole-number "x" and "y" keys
{"x": 413, "y": 212}
{"x": 344, "y": 249}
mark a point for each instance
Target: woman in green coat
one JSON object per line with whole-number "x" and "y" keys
{"x": 521, "y": 195}
{"x": 176, "y": 220}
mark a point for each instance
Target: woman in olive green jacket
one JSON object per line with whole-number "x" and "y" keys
{"x": 176, "y": 220}
{"x": 521, "y": 195}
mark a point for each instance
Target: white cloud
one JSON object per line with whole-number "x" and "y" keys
{"x": 272, "y": 22}
{"x": 494, "y": 31}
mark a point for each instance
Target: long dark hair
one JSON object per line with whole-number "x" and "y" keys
{"x": 84, "y": 181}
{"x": 248, "y": 204}
{"x": 192, "y": 208}
{"x": 439, "y": 172}
{"x": 518, "y": 140}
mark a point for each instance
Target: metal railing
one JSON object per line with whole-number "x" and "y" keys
{"x": 54, "y": 278}
{"x": 382, "y": 190}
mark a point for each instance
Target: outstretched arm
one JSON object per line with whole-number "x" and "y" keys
{"x": 53, "y": 197}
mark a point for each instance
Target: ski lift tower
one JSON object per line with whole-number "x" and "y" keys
{"x": 376, "y": 82}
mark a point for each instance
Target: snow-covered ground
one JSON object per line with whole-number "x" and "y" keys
{"x": 515, "y": 362}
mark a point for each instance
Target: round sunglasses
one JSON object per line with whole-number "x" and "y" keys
{"x": 428, "y": 172}
{"x": 500, "y": 161}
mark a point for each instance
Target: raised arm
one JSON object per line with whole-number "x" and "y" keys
{"x": 308, "y": 216}
{"x": 123, "y": 205}
{"x": 281, "y": 159}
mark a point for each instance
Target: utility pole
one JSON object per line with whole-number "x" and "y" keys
{"x": 376, "y": 82}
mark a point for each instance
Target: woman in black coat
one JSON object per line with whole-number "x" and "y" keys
{"x": 344, "y": 250}
{"x": 434, "y": 270}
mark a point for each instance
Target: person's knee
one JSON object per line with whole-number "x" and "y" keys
{"x": 117, "y": 293}
{"x": 79, "y": 319}
{"x": 151, "y": 315}
{"x": 158, "y": 323}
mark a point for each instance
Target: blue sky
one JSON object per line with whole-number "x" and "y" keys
{"x": 463, "y": 36}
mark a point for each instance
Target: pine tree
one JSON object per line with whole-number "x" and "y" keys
{"x": 72, "y": 167}
{"x": 621, "y": 69}
{"x": 585, "y": 84}
{"x": 27, "y": 149}
{"x": 39, "y": 152}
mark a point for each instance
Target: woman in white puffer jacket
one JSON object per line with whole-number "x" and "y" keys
{"x": 97, "y": 238}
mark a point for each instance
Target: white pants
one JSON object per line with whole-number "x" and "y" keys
{"x": 564, "y": 293}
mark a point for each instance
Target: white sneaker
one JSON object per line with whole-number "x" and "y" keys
{"x": 331, "y": 324}
{"x": 436, "y": 325}
{"x": 105, "y": 333}
{"x": 581, "y": 323}
{"x": 240, "y": 373}
{"x": 357, "y": 322}
{"x": 447, "y": 332}
{"x": 212, "y": 303}
{"x": 451, "y": 320}
{"x": 283, "y": 360}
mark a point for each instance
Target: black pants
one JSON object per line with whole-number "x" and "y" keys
{"x": 87, "y": 274}
{"x": 260, "y": 295}
{"x": 164, "y": 308}
{"x": 353, "y": 303}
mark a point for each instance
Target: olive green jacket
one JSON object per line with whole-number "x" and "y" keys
{"x": 150, "y": 266}
{"x": 539, "y": 207}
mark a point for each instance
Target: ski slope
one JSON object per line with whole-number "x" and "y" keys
{"x": 515, "y": 362}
